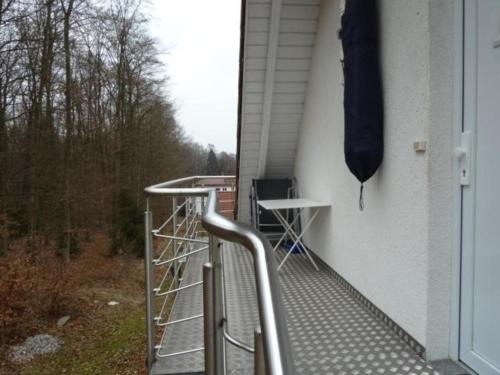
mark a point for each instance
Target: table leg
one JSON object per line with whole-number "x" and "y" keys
{"x": 298, "y": 239}
{"x": 280, "y": 217}
{"x": 289, "y": 230}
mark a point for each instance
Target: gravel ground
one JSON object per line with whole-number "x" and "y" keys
{"x": 33, "y": 346}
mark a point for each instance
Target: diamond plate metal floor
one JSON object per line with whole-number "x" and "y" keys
{"x": 186, "y": 335}
{"x": 330, "y": 331}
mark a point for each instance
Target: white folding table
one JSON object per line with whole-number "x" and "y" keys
{"x": 275, "y": 205}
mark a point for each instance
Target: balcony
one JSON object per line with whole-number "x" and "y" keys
{"x": 245, "y": 317}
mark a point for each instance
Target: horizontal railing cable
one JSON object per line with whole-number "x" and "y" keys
{"x": 179, "y": 289}
{"x": 179, "y": 353}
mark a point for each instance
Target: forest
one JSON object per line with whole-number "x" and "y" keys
{"x": 86, "y": 122}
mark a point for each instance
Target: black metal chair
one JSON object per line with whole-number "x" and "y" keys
{"x": 265, "y": 189}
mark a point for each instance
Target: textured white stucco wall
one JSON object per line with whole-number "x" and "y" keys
{"x": 444, "y": 122}
{"x": 384, "y": 251}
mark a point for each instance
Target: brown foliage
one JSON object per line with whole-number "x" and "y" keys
{"x": 31, "y": 290}
{"x": 36, "y": 290}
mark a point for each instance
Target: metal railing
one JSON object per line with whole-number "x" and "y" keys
{"x": 199, "y": 205}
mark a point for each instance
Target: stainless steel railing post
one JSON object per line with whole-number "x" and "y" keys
{"x": 149, "y": 268}
{"x": 259, "y": 363}
{"x": 274, "y": 332}
{"x": 218, "y": 339}
{"x": 208, "y": 319}
{"x": 174, "y": 242}
{"x": 186, "y": 215}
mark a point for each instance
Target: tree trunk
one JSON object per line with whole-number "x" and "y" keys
{"x": 68, "y": 147}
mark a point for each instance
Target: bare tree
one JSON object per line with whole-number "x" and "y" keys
{"x": 84, "y": 119}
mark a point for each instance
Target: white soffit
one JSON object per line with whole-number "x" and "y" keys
{"x": 279, "y": 42}
{"x": 278, "y": 46}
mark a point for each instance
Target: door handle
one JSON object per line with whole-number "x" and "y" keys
{"x": 464, "y": 155}
{"x": 496, "y": 42}
{"x": 460, "y": 152}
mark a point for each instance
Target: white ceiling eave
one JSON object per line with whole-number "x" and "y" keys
{"x": 279, "y": 42}
{"x": 278, "y": 46}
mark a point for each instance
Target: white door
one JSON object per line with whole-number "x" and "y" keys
{"x": 480, "y": 280}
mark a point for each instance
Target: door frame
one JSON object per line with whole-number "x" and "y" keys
{"x": 458, "y": 125}
{"x": 465, "y": 86}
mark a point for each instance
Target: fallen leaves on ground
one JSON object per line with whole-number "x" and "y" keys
{"x": 98, "y": 339}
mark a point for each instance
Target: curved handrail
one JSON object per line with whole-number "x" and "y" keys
{"x": 272, "y": 320}
{"x": 171, "y": 187}
{"x": 275, "y": 335}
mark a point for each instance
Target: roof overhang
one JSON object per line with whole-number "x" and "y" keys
{"x": 277, "y": 41}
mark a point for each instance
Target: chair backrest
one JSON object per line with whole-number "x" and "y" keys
{"x": 265, "y": 189}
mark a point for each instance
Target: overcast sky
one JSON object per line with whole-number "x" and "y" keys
{"x": 202, "y": 40}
